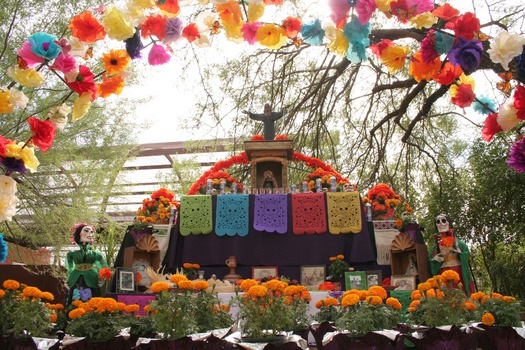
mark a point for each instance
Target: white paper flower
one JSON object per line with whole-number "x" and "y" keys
{"x": 7, "y": 185}
{"x": 7, "y": 207}
{"x": 18, "y": 98}
{"x": 58, "y": 116}
{"x": 505, "y": 47}
{"x": 507, "y": 116}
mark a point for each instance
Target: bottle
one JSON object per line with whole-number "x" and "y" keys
{"x": 368, "y": 210}
{"x": 223, "y": 186}
{"x": 333, "y": 185}
{"x": 318, "y": 187}
{"x": 208, "y": 186}
{"x": 305, "y": 187}
{"x": 234, "y": 188}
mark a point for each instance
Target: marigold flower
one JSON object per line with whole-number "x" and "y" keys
{"x": 131, "y": 308}
{"x": 200, "y": 285}
{"x": 414, "y": 304}
{"x": 47, "y": 296}
{"x": 477, "y": 296}
{"x": 374, "y": 300}
{"x": 394, "y": 303}
{"x": 349, "y": 300}
{"x": 247, "y": 284}
{"x": 257, "y": 291}
{"x": 76, "y": 313}
{"x": 508, "y": 299}
{"x": 275, "y": 285}
{"x": 416, "y": 295}
{"x": 11, "y": 284}
{"x": 379, "y": 291}
{"x": 185, "y": 284}
{"x": 176, "y": 278}
{"x": 53, "y": 317}
{"x": 158, "y": 287}
{"x": 469, "y": 306}
{"x": 488, "y": 319}
{"x": 449, "y": 276}
{"x": 32, "y": 292}
{"x": 2, "y": 293}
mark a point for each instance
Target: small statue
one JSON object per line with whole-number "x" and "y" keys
{"x": 411, "y": 269}
{"x": 268, "y": 180}
{"x": 450, "y": 253}
{"x": 268, "y": 118}
{"x": 82, "y": 265}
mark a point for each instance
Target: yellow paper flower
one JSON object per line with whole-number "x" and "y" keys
{"x": 118, "y": 26}
{"x": 147, "y": 4}
{"x": 339, "y": 44}
{"x": 233, "y": 32}
{"x": 271, "y": 36}
{"x": 424, "y": 20}
{"x": 384, "y": 6}
{"x": 26, "y": 77}
{"x": 255, "y": 10}
{"x": 5, "y": 104}
{"x": 393, "y": 57}
{"x": 81, "y": 106}
{"x": 26, "y": 154}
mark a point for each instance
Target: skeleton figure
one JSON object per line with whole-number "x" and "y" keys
{"x": 450, "y": 253}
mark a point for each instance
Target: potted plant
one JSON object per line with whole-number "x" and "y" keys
{"x": 25, "y": 312}
{"x": 337, "y": 270}
{"x": 269, "y": 309}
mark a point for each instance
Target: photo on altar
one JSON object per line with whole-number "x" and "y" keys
{"x": 125, "y": 280}
{"x": 355, "y": 280}
{"x": 260, "y": 272}
{"x": 312, "y": 276}
{"x": 374, "y": 278}
{"x": 402, "y": 282}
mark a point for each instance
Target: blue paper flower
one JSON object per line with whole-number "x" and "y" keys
{"x": 355, "y": 31}
{"x": 357, "y": 51}
{"x": 484, "y": 105}
{"x": 3, "y": 249}
{"x": 444, "y": 42}
{"x": 466, "y": 53}
{"x": 313, "y": 33}
{"x": 43, "y": 45}
{"x": 520, "y": 68}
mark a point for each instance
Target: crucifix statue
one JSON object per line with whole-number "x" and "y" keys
{"x": 268, "y": 118}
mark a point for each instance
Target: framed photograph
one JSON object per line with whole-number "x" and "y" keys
{"x": 401, "y": 282}
{"x": 125, "y": 280}
{"x": 260, "y": 272}
{"x": 374, "y": 278}
{"x": 312, "y": 276}
{"x": 355, "y": 280}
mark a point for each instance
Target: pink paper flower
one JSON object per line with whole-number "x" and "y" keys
{"x": 365, "y": 9}
{"x": 249, "y": 31}
{"x": 158, "y": 55}
{"x": 64, "y": 63}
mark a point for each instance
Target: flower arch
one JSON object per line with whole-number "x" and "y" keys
{"x": 217, "y": 170}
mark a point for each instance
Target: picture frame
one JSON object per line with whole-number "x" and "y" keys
{"x": 374, "y": 278}
{"x": 355, "y": 280}
{"x": 402, "y": 282}
{"x": 126, "y": 282}
{"x": 312, "y": 276}
{"x": 260, "y": 272}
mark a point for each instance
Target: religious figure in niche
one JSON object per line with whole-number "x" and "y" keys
{"x": 268, "y": 180}
{"x": 450, "y": 253}
{"x": 82, "y": 265}
{"x": 268, "y": 118}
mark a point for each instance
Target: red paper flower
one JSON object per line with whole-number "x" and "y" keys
{"x": 84, "y": 82}
{"x": 464, "y": 96}
{"x": 465, "y": 26}
{"x": 519, "y": 101}
{"x": 445, "y": 12}
{"x": 292, "y": 26}
{"x": 191, "y": 32}
{"x": 491, "y": 127}
{"x": 154, "y": 25}
{"x": 171, "y": 6}
{"x": 448, "y": 74}
{"x": 87, "y": 28}
{"x": 43, "y": 133}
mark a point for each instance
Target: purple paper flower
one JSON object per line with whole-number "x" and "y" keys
{"x": 520, "y": 68}
{"x": 516, "y": 158}
{"x": 173, "y": 30}
{"x": 12, "y": 165}
{"x": 134, "y": 45}
{"x": 466, "y": 53}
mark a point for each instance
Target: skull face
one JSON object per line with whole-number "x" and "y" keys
{"x": 87, "y": 234}
{"x": 442, "y": 223}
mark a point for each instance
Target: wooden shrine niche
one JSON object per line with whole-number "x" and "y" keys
{"x": 269, "y": 162}
{"x": 146, "y": 250}
{"x": 408, "y": 258}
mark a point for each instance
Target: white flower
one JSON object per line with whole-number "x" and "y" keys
{"x": 78, "y": 48}
{"x": 18, "y": 98}
{"x": 58, "y": 116}
{"x": 7, "y": 207}
{"x": 7, "y": 185}
{"x": 507, "y": 116}
{"x": 505, "y": 47}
